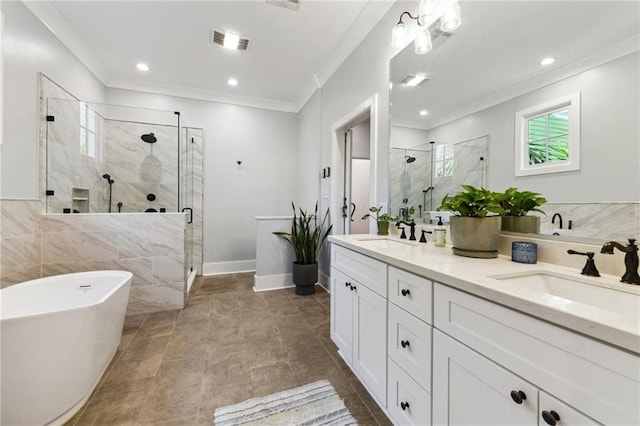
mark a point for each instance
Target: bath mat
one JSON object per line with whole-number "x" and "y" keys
{"x": 315, "y": 404}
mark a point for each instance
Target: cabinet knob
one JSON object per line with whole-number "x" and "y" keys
{"x": 353, "y": 287}
{"x": 550, "y": 417}
{"x": 404, "y": 405}
{"x": 405, "y": 292}
{"x": 346, "y": 284}
{"x": 404, "y": 343}
{"x": 518, "y": 396}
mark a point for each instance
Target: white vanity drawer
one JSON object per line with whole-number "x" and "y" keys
{"x": 411, "y": 292}
{"x": 369, "y": 272}
{"x": 408, "y": 403}
{"x": 409, "y": 345}
{"x": 595, "y": 378}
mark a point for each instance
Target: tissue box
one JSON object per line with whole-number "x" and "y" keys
{"x": 524, "y": 252}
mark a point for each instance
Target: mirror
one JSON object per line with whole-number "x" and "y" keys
{"x": 480, "y": 76}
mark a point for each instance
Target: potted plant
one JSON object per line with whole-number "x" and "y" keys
{"x": 474, "y": 231}
{"x": 382, "y": 219}
{"x": 515, "y": 206}
{"x": 306, "y": 238}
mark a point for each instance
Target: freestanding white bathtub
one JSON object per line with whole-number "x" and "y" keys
{"x": 58, "y": 336}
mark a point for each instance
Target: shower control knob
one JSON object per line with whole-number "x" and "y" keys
{"x": 151, "y": 197}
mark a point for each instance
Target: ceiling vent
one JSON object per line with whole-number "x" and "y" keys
{"x": 238, "y": 43}
{"x": 288, "y": 4}
{"x": 414, "y": 79}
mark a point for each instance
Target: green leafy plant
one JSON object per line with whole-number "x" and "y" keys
{"x": 519, "y": 203}
{"x": 472, "y": 202}
{"x": 307, "y": 235}
{"x": 375, "y": 212}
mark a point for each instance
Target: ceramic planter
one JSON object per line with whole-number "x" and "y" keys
{"x": 383, "y": 227}
{"x": 305, "y": 278}
{"x": 525, "y": 224}
{"x": 475, "y": 236}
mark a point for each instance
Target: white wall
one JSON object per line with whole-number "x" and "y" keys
{"x": 264, "y": 185}
{"x": 30, "y": 48}
{"x": 610, "y": 152}
{"x": 407, "y": 137}
{"x": 308, "y": 153}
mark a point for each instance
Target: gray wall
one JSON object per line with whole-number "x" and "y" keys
{"x": 610, "y": 152}
{"x": 30, "y": 48}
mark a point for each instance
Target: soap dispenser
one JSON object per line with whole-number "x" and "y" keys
{"x": 440, "y": 233}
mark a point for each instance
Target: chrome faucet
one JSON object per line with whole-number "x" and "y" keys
{"x": 630, "y": 259}
{"x": 413, "y": 228}
{"x": 553, "y": 219}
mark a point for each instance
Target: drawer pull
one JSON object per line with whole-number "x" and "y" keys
{"x": 405, "y": 292}
{"x": 550, "y": 417}
{"x": 353, "y": 287}
{"x": 347, "y": 284}
{"x": 404, "y": 405}
{"x": 518, "y": 396}
{"x": 404, "y": 343}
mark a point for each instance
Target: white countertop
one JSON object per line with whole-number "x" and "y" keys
{"x": 474, "y": 276}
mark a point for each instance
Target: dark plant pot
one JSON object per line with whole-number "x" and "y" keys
{"x": 525, "y": 224}
{"x": 383, "y": 227}
{"x": 475, "y": 236}
{"x": 305, "y": 278}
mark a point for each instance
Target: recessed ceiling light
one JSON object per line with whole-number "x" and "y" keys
{"x": 142, "y": 67}
{"x": 547, "y": 61}
{"x": 232, "y": 82}
{"x": 424, "y": 112}
{"x": 414, "y": 79}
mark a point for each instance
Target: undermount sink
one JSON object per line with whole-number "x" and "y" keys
{"x": 384, "y": 243}
{"x": 567, "y": 292}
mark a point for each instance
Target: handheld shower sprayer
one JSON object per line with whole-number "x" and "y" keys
{"x": 110, "y": 181}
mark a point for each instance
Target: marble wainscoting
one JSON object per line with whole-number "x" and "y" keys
{"x": 20, "y": 241}
{"x": 149, "y": 245}
{"x": 599, "y": 221}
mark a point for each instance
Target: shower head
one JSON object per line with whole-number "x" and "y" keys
{"x": 106, "y": 176}
{"x": 410, "y": 159}
{"x": 149, "y": 138}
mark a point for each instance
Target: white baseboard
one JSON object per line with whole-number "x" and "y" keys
{"x": 220, "y": 268}
{"x": 324, "y": 281}
{"x": 272, "y": 282}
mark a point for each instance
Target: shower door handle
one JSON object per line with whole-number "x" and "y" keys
{"x": 190, "y": 214}
{"x": 344, "y": 209}
{"x": 352, "y": 211}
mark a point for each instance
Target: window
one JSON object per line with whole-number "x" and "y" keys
{"x": 444, "y": 160}
{"x": 88, "y": 140}
{"x": 548, "y": 137}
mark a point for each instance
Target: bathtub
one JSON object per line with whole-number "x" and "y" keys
{"x": 58, "y": 336}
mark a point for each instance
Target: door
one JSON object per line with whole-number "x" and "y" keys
{"x": 468, "y": 389}
{"x": 348, "y": 209}
{"x": 357, "y": 177}
{"x": 370, "y": 341}
{"x": 342, "y": 313}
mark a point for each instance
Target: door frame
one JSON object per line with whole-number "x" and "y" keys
{"x": 368, "y": 107}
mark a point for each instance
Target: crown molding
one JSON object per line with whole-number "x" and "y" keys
{"x": 50, "y": 18}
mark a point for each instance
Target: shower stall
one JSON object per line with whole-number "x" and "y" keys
{"x": 118, "y": 172}
{"x": 419, "y": 177}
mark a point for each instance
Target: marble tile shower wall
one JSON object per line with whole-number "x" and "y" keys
{"x": 141, "y": 168}
{"x": 20, "y": 241}
{"x": 151, "y": 246}
{"x": 410, "y": 180}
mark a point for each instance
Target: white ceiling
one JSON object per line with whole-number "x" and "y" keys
{"x": 494, "y": 55}
{"x": 286, "y": 50}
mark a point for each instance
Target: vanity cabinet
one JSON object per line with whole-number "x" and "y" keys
{"x": 359, "y": 317}
{"x": 490, "y": 351}
{"x": 409, "y": 348}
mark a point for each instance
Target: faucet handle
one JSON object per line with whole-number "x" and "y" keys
{"x": 403, "y": 236}
{"x": 590, "y": 267}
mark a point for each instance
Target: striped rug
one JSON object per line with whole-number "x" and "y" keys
{"x": 315, "y": 404}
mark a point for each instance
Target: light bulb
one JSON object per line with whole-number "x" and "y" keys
{"x": 422, "y": 43}
{"x": 426, "y": 11}
{"x": 450, "y": 20}
{"x": 231, "y": 41}
{"x": 398, "y": 36}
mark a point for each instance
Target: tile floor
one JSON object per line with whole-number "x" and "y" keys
{"x": 229, "y": 344}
